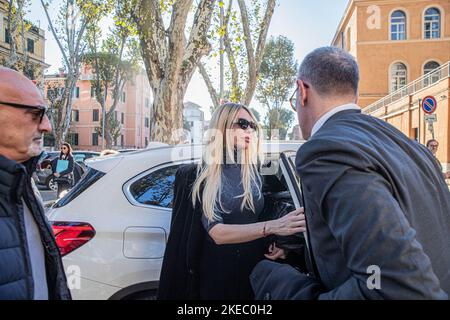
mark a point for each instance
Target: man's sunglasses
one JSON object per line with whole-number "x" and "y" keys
{"x": 39, "y": 111}
{"x": 244, "y": 124}
{"x": 293, "y": 98}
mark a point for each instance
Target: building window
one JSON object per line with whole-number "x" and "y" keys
{"x": 398, "y": 76}
{"x": 147, "y": 102}
{"x": 73, "y": 139}
{"x": 398, "y": 25}
{"x": 30, "y": 45}
{"x": 147, "y": 122}
{"x": 432, "y": 25}
{"x": 415, "y": 134}
{"x": 122, "y": 140}
{"x": 95, "y": 139}
{"x": 429, "y": 68}
{"x": 95, "y": 115}
{"x": 92, "y": 91}
{"x": 7, "y": 36}
{"x": 76, "y": 92}
{"x": 146, "y": 142}
{"x": 29, "y": 73}
{"x": 122, "y": 118}
{"x": 75, "y": 115}
{"x": 123, "y": 96}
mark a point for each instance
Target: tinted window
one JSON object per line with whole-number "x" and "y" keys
{"x": 86, "y": 181}
{"x": 79, "y": 157}
{"x": 156, "y": 188}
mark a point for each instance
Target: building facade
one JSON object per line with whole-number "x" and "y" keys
{"x": 194, "y": 122}
{"x": 34, "y": 42}
{"x": 132, "y": 112}
{"x": 403, "y": 51}
{"x": 394, "y": 42}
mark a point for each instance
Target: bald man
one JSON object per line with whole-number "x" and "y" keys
{"x": 30, "y": 262}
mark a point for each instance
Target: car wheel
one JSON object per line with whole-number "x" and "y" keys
{"x": 143, "y": 295}
{"x": 51, "y": 184}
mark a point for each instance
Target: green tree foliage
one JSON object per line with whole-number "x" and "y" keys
{"x": 277, "y": 78}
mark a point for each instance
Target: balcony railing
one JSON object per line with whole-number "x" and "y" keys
{"x": 423, "y": 82}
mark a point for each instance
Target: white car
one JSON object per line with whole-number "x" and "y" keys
{"x": 112, "y": 227}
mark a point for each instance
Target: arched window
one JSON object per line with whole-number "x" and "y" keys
{"x": 428, "y": 69}
{"x": 432, "y": 24}
{"x": 398, "y": 76}
{"x": 398, "y": 25}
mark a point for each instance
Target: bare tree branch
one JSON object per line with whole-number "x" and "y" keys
{"x": 198, "y": 45}
{"x": 177, "y": 40}
{"x": 148, "y": 18}
{"x": 212, "y": 92}
{"x": 254, "y": 61}
{"x": 236, "y": 92}
{"x": 55, "y": 35}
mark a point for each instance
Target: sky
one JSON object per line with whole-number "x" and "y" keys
{"x": 308, "y": 24}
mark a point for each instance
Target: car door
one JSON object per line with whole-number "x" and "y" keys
{"x": 293, "y": 181}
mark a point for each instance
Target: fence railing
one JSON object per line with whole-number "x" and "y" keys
{"x": 423, "y": 82}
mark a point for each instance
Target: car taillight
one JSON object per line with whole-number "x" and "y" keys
{"x": 71, "y": 235}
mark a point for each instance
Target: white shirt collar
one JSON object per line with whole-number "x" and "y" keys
{"x": 332, "y": 112}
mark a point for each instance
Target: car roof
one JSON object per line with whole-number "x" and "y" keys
{"x": 177, "y": 153}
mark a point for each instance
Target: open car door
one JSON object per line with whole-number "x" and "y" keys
{"x": 293, "y": 181}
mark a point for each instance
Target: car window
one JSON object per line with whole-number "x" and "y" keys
{"x": 156, "y": 188}
{"x": 89, "y": 155}
{"x": 79, "y": 157}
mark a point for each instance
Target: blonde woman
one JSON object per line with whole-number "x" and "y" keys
{"x": 216, "y": 236}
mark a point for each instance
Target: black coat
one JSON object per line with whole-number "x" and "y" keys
{"x": 15, "y": 268}
{"x": 179, "y": 272}
{"x": 373, "y": 198}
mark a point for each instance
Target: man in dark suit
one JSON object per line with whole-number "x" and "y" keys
{"x": 377, "y": 206}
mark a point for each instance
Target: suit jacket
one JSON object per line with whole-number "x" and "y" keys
{"x": 376, "y": 205}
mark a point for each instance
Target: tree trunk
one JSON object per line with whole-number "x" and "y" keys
{"x": 170, "y": 59}
{"x": 167, "y": 123}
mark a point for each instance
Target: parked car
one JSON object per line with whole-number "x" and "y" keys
{"x": 44, "y": 173}
{"x": 112, "y": 227}
{"x": 127, "y": 150}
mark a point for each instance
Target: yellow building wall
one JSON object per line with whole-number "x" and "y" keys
{"x": 407, "y": 114}
{"x": 374, "y": 50}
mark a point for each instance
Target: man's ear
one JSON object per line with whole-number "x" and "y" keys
{"x": 303, "y": 92}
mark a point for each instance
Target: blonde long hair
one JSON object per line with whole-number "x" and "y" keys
{"x": 207, "y": 188}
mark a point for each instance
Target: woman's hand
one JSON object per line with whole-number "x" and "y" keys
{"x": 275, "y": 253}
{"x": 293, "y": 222}
{"x": 56, "y": 174}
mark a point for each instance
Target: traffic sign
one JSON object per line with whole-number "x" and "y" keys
{"x": 431, "y": 118}
{"x": 429, "y": 105}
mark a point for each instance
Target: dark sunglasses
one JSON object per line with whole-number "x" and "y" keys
{"x": 39, "y": 113}
{"x": 244, "y": 124}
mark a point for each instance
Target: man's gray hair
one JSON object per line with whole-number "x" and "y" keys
{"x": 330, "y": 70}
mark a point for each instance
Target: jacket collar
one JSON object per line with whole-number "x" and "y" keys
{"x": 11, "y": 170}
{"x": 331, "y": 113}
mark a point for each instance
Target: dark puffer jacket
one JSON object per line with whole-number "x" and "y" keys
{"x": 16, "y": 280}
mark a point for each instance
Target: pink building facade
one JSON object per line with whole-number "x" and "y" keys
{"x": 132, "y": 112}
